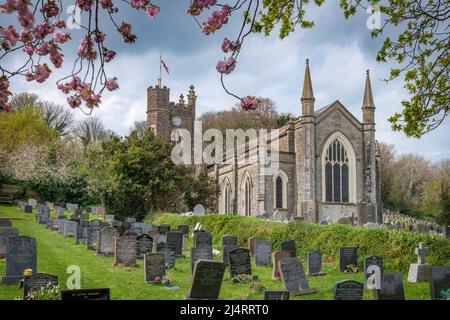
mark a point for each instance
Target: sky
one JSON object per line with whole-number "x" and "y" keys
{"x": 339, "y": 52}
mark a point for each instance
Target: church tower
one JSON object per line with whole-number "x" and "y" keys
{"x": 368, "y": 210}
{"x": 305, "y": 153}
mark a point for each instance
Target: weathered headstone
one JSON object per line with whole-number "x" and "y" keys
{"x": 251, "y": 245}
{"x": 201, "y": 252}
{"x": 289, "y": 246}
{"x": 229, "y": 242}
{"x": 347, "y": 256}
{"x": 28, "y": 209}
{"x": 32, "y": 202}
{"x": 314, "y": 260}
{"x": 276, "y": 294}
{"x": 92, "y": 238}
{"x": 86, "y": 294}
{"x": 130, "y": 219}
{"x": 70, "y": 228}
{"x": 184, "y": 229}
{"x": 21, "y": 254}
{"x": 144, "y": 245}
{"x": 60, "y": 213}
{"x": 202, "y": 238}
{"x": 109, "y": 218}
{"x": 294, "y": 277}
{"x": 61, "y": 223}
{"x": 263, "y": 252}
{"x": 348, "y": 290}
{"x": 106, "y": 239}
{"x": 420, "y": 271}
{"x": 239, "y": 262}
{"x": 164, "y": 228}
{"x": 135, "y": 229}
{"x": 5, "y": 234}
{"x": 369, "y": 261}
{"x": 206, "y": 280}
{"x": 440, "y": 283}
{"x": 38, "y": 281}
{"x": 169, "y": 255}
{"x": 391, "y": 287}
{"x": 175, "y": 239}
{"x": 125, "y": 251}
{"x": 154, "y": 267}
{"x": 5, "y": 223}
{"x": 81, "y": 235}
{"x": 277, "y": 256}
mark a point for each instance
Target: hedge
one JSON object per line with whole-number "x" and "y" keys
{"x": 396, "y": 247}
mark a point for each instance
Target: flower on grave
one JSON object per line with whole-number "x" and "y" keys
{"x": 27, "y": 272}
{"x": 157, "y": 278}
{"x": 166, "y": 281}
{"x": 445, "y": 294}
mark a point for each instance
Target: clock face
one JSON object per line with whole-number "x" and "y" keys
{"x": 176, "y": 121}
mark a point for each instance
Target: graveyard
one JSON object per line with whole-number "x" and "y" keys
{"x": 124, "y": 273}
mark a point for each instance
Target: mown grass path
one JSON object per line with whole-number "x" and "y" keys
{"x": 56, "y": 253}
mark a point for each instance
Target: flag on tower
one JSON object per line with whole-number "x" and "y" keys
{"x": 164, "y": 65}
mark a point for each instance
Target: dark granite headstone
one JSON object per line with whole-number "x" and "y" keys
{"x": 144, "y": 245}
{"x": 239, "y": 260}
{"x": 169, "y": 255}
{"x": 289, "y": 246}
{"x": 277, "y": 256}
{"x": 37, "y": 281}
{"x": 184, "y": 229}
{"x": 225, "y": 250}
{"x": 440, "y": 283}
{"x": 106, "y": 239}
{"x": 347, "y": 256}
{"x": 125, "y": 251}
{"x": 154, "y": 267}
{"x": 5, "y": 223}
{"x": 206, "y": 280}
{"x": 164, "y": 228}
{"x": 202, "y": 238}
{"x": 86, "y": 294}
{"x": 175, "y": 239}
{"x": 391, "y": 287}
{"x": 314, "y": 260}
{"x": 5, "y": 234}
{"x": 92, "y": 238}
{"x": 28, "y": 209}
{"x": 202, "y": 252}
{"x": 348, "y": 290}
{"x": 81, "y": 235}
{"x": 70, "y": 228}
{"x": 276, "y": 294}
{"x": 294, "y": 277}
{"x": 263, "y": 252}
{"x": 21, "y": 254}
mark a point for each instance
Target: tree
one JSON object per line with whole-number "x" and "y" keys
{"x": 140, "y": 127}
{"x": 57, "y": 117}
{"x": 91, "y": 130}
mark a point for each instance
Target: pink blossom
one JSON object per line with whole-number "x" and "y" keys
{"x": 26, "y": 19}
{"x": 29, "y": 49}
{"x": 50, "y": 9}
{"x": 108, "y": 54}
{"x": 226, "y": 66}
{"x": 40, "y": 73}
{"x": 92, "y": 100}
{"x": 74, "y": 101}
{"x": 4, "y": 94}
{"x": 139, "y": 4}
{"x": 43, "y": 30}
{"x": 99, "y": 37}
{"x": 60, "y": 24}
{"x": 85, "y": 5}
{"x": 250, "y": 103}
{"x": 126, "y": 31}
{"x": 43, "y": 49}
{"x": 228, "y": 45}
{"x": 153, "y": 10}
{"x": 199, "y": 5}
{"x": 62, "y": 37}
{"x": 217, "y": 20}
{"x": 86, "y": 49}
{"x": 10, "y": 35}
{"x": 65, "y": 87}
{"x": 111, "y": 84}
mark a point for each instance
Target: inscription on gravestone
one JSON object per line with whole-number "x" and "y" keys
{"x": 202, "y": 252}
{"x": 347, "y": 256}
{"x": 276, "y": 294}
{"x": 239, "y": 259}
{"x": 86, "y": 294}
{"x": 169, "y": 255}
{"x": 154, "y": 267}
{"x": 106, "y": 239}
{"x": 314, "y": 260}
{"x": 206, "y": 280}
{"x": 144, "y": 245}
{"x": 70, "y": 228}
{"x": 202, "y": 238}
{"x": 125, "y": 251}
{"x": 294, "y": 277}
{"x": 175, "y": 239}
{"x": 263, "y": 252}
{"x": 37, "y": 281}
{"x": 348, "y": 290}
{"x": 21, "y": 254}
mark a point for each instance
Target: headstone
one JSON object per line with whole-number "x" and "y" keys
{"x": 229, "y": 242}
{"x": 96, "y": 224}
{"x": 92, "y": 238}
{"x": 314, "y": 260}
{"x": 60, "y": 213}
{"x": 251, "y": 245}
{"x": 125, "y": 251}
{"x": 164, "y": 228}
{"x": 106, "y": 239}
{"x": 294, "y": 277}
{"x": 54, "y": 225}
{"x": 135, "y": 229}
{"x": 276, "y": 294}
{"x": 184, "y": 229}
{"x": 277, "y": 256}
{"x": 440, "y": 283}
{"x": 369, "y": 261}
{"x": 81, "y": 235}
{"x": 239, "y": 260}
{"x": 61, "y": 223}
{"x": 206, "y": 280}
{"x": 86, "y": 294}
{"x": 169, "y": 255}
{"x": 348, "y": 290}
{"x": 347, "y": 256}
{"x": 420, "y": 271}
{"x": 289, "y": 246}
{"x": 109, "y": 218}
{"x": 144, "y": 245}
{"x": 199, "y": 210}
{"x": 263, "y": 252}
{"x": 5, "y": 223}
{"x": 201, "y": 252}
{"x": 148, "y": 227}
{"x": 159, "y": 238}
{"x": 175, "y": 238}
{"x": 70, "y": 228}
{"x": 391, "y": 287}
{"x": 38, "y": 281}
{"x": 154, "y": 267}
{"x": 32, "y": 202}
{"x": 21, "y": 254}
{"x": 130, "y": 219}
{"x": 100, "y": 211}
{"x": 28, "y": 209}
{"x": 5, "y": 234}
{"x": 202, "y": 238}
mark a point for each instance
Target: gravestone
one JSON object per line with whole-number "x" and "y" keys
{"x": 100, "y": 211}
{"x": 277, "y": 256}
{"x": 201, "y": 252}
{"x": 348, "y": 290}
{"x": 159, "y": 238}
{"x": 347, "y": 256}
{"x": 130, "y": 219}
{"x": 96, "y": 224}
{"x": 391, "y": 287}
{"x": 276, "y": 294}
{"x": 54, "y": 225}
{"x": 206, "y": 280}
{"x": 369, "y": 261}
{"x": 109, "y": 218}
{"x": 263, "y": 252}
{"x": 81, "y": 235}
{"x": 70, "y": 228}
{"x": 289, "y": 246}
{"x": 60, "y": 213}
{"x": 42, "y": 218}
{"x": 154, "y": 267}
{"x": 86, "y": 294}
{"x": 125, "y": 251}
{"x": 314, "y": 260}
{"x": 92, "y": 238}
{"x": 21, "y": 254}
{"x": 5, "y": 223}
{"x": 160, "y": 246}
{"x": 184, "y": 229}
{"x": 32, "y": 202}
{"x": 5, "y": 234}
{"x": 251, "y": 245}
{"x": 61, "y": 223}
{"x": 175, "y": 239}
{"x": 239, "y": 260}
{"x": 294, "y": 277}
{"x": 146, "y": 228}
{"x": 164, "y": 228}
{"x": 144, "y": 245}
{"x": 202, "y": 238}
{"x": 169, "y": 255}
{"x": 420, "y": 271}
{"x": 229, "y": 242}
{"x": 28, "y": 209}
{"x": 135, "y": 229}
{"x": 105, "y": 243}
{"x": 440, "y": 283}
{"x": 37, "y": 281}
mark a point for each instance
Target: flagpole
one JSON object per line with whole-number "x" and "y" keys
{"x": 160, "y": 71}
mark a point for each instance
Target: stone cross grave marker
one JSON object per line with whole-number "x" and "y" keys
{"x": 37, "y": 281}
{"x": 391, "y": 287}
{"x": 125, "y": 251}
{"x": 347, "y": 256}
{"x": 348, "y": 290}
{"x": 294, "y": 277}
{"x": 263, "y": 252}
{"x": 206, "y": 280}
{"x": 289, "y": 246}
{"x": 277, "y": 256}
{"x": 420, "y": 271}
{"x": 239, "y": 260}
{"x": 154, "y": 267}
{"x": 421, "y": 252}
{"x": 21, "y": 254}
{"x": 106, "y": 239}
{"x": 201, "y": 252}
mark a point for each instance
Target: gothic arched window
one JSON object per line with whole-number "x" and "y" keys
{"x": 280, "y": 191}
{"x": 226, "y": 197}
{"x": 247, "y": 196}
{"x": 338, "y": 165}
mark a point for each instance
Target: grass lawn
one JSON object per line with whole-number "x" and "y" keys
{"x": 56, "y": 253}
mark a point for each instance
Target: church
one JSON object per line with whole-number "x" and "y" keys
{"x": 328, "y": 161}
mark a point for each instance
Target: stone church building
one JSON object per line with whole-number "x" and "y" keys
{"x": 328, "y": 161}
